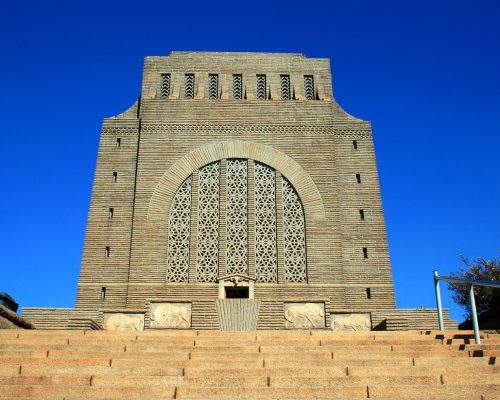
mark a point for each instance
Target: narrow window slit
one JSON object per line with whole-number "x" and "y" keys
{"x": 115, "y": 176}
{"x": 355, "y": 144}
{"x": 365, "y": 252}
{"x": 285, "y": 87}
{"x": 309, "y": 87}
{"x": 213, "y": 86}
{"x": 189, "y": 86}
{"x": 165, "y": 86}
{"x": 368, "y": 293}
{"x": 106, "y": 251}
{"x": 358, "y": 178}
{"x": 261, "y": 87}
{"x": 362, "y": 214}
{"x": 237, "y": 87}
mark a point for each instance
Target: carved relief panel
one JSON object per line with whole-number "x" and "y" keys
{"x": 170, "y": 315}
{"x": 304, "y": 315}
{"x": 123, "y": 322}
{"x": 351, "y": 322}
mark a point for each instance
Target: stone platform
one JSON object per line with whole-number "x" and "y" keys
{"x": 37, "y": 364}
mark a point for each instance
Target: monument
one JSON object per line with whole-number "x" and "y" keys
{"x": 235, "y": 194}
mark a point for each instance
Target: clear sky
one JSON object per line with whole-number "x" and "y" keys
{"x": 425, "y": 73}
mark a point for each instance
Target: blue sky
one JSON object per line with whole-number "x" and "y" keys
{"x": 425, "y": 73}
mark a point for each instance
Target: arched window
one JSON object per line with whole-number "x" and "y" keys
{"x": 241, "y": 209}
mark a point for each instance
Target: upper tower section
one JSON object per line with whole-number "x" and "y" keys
{"x": 236, "y": 77}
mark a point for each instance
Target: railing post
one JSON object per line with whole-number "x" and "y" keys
{"x": 474, "y": 314}
{"x": 438, "y": 301}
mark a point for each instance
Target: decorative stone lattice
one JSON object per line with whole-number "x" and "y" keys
{"x": 178, "y": 234}
{"x": 236, "y": 217}
{"x": 208, "y": 224}
{"x": 236, "y": 229}
{"x": 309, "y": 87}
{"x": 265, "y": 224}
{"x": 295, "y": 238}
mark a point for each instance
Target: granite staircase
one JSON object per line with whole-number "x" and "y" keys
{"x": 37, "y": 364}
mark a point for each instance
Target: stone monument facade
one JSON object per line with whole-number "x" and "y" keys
{"x": 235, "y": 176}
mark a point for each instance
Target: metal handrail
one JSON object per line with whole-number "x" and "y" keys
{"x": 462, "y": 281}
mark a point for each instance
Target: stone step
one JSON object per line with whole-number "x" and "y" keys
{"x": 243, "y": 393}
{"x": 48, "y": 370}
{"x": 451, "y": 362}
{"x": 47, "y": 392}
{"x": 472, "y": 391}
{"x": 166, "y": 341}
{"x": 422, "y": 370}
{"x": 193, "y": 371}
{"x": 158, "y": 344}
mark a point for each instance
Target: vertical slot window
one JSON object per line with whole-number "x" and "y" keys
{"x": 368, "y": 293}
{"x": 115, "y": 176}
{"x": 355, "y": 144}
{"x": 213, "y": 86}
{"x": 362, "y": 215}
{"x": 261, "y": 87}
{"x": 111, "y": 212}
{"x": 309, "y": 87}
{"x": 358, "y": 178}
{"x": 106, "y": 251}
{"x": 118, "y": 143}
{"x": 103, "y": 293}
{"x": 165, "y": 86}
{"x": 189, "y": 86}
{"x": 365, "y": 252}
{"x": 237, "y": 87}
{"x": 285, "y": 87}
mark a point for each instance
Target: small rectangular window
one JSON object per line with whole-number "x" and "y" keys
{"x": 285, "y": 87}
{"x": 189, "y": 86}
{"x": 355, "y": 144}
{"x": 261, "y": 87}
{"x": 103, "y": 293}
{"x": 368, "y": 293}
{"x": 115, "y": 176}
{"x": 365, "y": 252}
{"x": 165, "y": 86}
{"x": 358, "y": 178}
{"x": 237, "y": 87}
{"x": 111, "y": 211}
{"x": 309, "y": 87}
{"x": 118, "y": 143}
{"x": 213, "y": 86}
{"x": 106, "y": 251}
{"x": 362, "y": 215}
